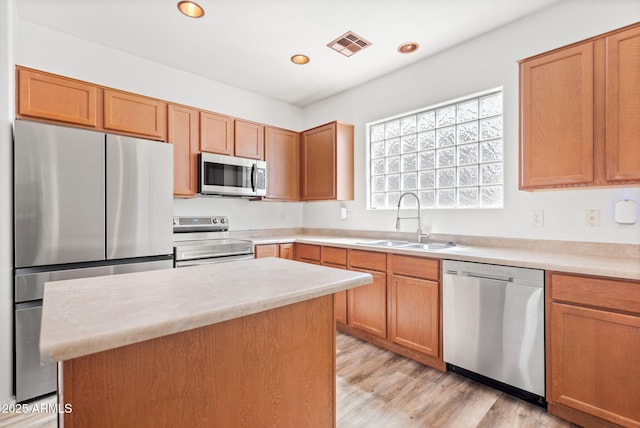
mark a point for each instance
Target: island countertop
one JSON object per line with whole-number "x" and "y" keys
{"x": 84, "y": 316}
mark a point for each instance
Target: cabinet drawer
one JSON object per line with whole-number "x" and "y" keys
{"x": 308, "y": 252}
{"x": 336, "y": 256}
{"x": 417, "y": 267}
{"x": 607, "y": 293}
{"x": 368, "y": 260}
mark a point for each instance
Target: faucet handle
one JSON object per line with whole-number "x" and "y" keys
{"x": 397, "y": 223}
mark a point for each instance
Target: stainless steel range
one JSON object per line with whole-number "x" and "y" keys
{"x": 203, "y": 240}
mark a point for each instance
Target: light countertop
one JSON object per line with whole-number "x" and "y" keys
{"x": 615, "y": 267}
{"x": 88, "y": 315}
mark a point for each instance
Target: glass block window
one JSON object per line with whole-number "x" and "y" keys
{"x": 450, "y": 155}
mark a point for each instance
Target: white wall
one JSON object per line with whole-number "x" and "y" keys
{"x": 243, "y": 214}
{"x": 483, "y": 63}
{"x": 52, "y": 51}
{"x": 6, "y": 201}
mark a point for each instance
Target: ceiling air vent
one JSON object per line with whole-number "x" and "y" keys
{"x": 349, "y": 43}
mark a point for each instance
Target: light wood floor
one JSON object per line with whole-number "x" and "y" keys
{"x": 377, "y": 388}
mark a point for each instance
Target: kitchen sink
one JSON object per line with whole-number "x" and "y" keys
{"x": 386, "y": 243}
{"x": 431, "y": 246}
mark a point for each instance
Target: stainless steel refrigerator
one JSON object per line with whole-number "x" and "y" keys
{"x": 85, "y": 204}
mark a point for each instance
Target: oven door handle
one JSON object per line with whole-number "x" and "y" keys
{"x": 185, "y": 263}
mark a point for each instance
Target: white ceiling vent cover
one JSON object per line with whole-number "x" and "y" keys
{"x": 349, "y": 43}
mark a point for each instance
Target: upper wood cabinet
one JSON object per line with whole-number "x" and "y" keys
{"x": 327, "y": 162}
{"x": 282, "y": 154}
{"x": 578, "y": 114}
{"x": 135, "y": 114}
{"x": 623, "y": 106}
{"x": 183, "y": 130}
{"x": 249, "y": 139}
{"x": 46, "y": 96}
{"x": 593, "y": 349}
{"x": 216, "y": 133}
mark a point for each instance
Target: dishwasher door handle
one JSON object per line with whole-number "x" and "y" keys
{"x": 482, "y": 276}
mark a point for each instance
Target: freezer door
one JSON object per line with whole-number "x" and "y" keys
{"x": 32, "y": 379}
{"x": 139, "y": 197}
{"x": 59, "y": 195}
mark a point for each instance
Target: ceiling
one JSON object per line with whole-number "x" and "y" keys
{"x": 247, "y": 43}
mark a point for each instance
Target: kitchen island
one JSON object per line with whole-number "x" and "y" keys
{"x": 246, "y": 343}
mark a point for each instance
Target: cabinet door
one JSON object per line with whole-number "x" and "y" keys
{"x": 286, "y": 251}
{"x": 595, "y": 362}
{"x": 135, "y": 114}
{"x": 183, "y": 130}
{"x": 319, "y": 163}
{"x": 56, "y": 98}
{"x": 414, "y": 314}
{"x": 282, "y": 154}
{"x": 623, "y": 106}
{"x": 340, "y": 298}
{"x": 267, "y": 250}
{"x": 249, "y": 140}
{"x": 337, "y": 258}
{"x": 368, "y": 305}
{"x": 557, "y": 119}
{"x": 216, "y": 133}
{"x": 308, "y": 253}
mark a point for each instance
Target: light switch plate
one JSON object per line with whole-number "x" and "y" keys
{"x": 593, "y": 218}
{"x": 537, "y": 218}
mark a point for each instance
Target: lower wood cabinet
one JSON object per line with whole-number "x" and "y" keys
{"x": 337, "y": 258}
{"x": 400, "y": 311}
{"x": 593, "y": 350}
{"x": 307, "y": 253}
{"x": 368, "y": 303}
{"x": 414, "y": 316}
{"x": 283, "y": 251}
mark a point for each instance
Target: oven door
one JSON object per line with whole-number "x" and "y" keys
{"x": 196, "y": 262}
{"x": 228, "y": 175}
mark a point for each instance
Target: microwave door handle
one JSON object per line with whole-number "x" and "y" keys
{"x": 254, "y": 177}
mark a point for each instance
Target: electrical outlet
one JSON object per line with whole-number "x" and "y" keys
{"x": 593, "y": 218}
{"x": 537, "y": 218}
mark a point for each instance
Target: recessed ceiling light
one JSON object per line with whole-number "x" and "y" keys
{"x": 299, "y": 59}
{"x": 408, "y": 47}
{"x": 191, "y": 9}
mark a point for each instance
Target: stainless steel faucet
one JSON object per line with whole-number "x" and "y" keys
{"x": 419, "y": 234}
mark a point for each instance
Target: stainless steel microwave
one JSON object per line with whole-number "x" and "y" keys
{"x": 231, "y": 176}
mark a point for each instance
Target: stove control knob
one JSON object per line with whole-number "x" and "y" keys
{"x": 223, "y": 220}
{"x": 215, "y": 220}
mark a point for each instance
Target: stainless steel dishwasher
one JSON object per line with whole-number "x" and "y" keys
{"x": 493, "y": 326}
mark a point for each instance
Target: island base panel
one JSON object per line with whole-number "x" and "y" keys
{"x": 274, "y": 368}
